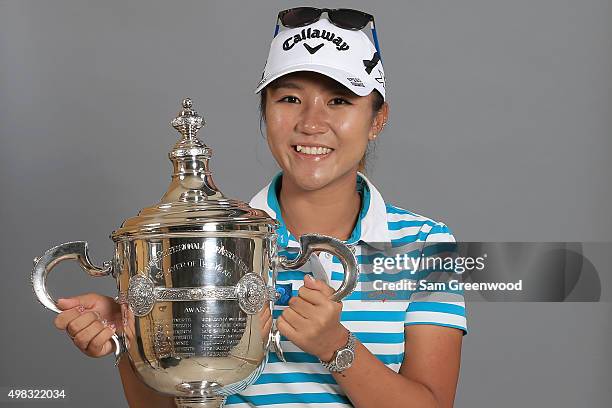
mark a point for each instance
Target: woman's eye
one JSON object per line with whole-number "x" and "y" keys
{"x": 340, "y": 101}
{"x": 291, "y": 99}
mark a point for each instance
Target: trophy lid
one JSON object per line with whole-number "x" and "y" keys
{"x": 193, "y": 202}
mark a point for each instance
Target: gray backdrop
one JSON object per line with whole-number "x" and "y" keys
{"x": 500, "y": 121}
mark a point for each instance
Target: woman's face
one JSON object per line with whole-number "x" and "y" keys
{"x": 317, "y": 129}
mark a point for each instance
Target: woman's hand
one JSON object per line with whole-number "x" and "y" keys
{"x": 312, "y": 320}
{"x": 89, "y": 320}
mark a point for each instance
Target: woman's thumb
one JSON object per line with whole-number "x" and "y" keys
{"x": 311, "y": 282}
{"x": 68, "y": 303}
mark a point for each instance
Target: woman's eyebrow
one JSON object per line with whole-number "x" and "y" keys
{"x": 287, "y": 84}
{"x": 342, "y": 90}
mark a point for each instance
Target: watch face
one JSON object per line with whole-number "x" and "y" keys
{"x": 344, "y": 359}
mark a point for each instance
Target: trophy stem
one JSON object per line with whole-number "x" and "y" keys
{"x": 200, "y": 402}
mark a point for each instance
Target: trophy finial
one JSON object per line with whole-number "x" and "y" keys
{"x": 188, "y": 122}
{"x": 191, "y": 177}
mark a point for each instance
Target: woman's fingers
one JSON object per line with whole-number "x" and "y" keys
{"x": 101, "y": 344}
{"x": 62, "y": 319}
{"x": 268, "y": 324}
{"x": 83, "y": 338}
{"x": 266, "y": 327}
{"x": 104, "y": 305}
{"x": 81, "y": 322}
{"x": 304, "y": 308}
{"x": 314, "y": 296}
{"x": 293, "y": 318}
{"x": 265, "y": 314}
{"x": 285, "y": 328}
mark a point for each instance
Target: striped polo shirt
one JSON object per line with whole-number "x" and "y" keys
{"x": 302, "y": 381}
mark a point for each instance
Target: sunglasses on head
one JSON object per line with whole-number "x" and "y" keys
{"x": 348, "y": 19}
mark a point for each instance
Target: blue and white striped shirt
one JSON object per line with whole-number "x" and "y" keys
{"x": 302, "y": 381}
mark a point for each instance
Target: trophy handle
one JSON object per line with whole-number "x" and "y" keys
{"x": 68, "y": 251}
{"x": 315, "y": 242}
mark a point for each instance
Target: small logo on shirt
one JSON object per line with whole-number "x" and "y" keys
{"x": 286, "y": 291}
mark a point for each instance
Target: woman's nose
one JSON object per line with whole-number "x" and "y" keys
{"x": 313, "y": 119}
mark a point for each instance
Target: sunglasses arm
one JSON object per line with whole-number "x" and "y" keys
{"x": 375, "y": 37}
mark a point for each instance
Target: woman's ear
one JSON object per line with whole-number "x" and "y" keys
{"x": 379, "y": 121}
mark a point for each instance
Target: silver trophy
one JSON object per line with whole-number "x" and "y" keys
{"x": 194, "y": 274}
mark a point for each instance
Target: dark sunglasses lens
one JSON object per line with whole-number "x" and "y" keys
{"x": 299, "y": 16}
{"x": 349, "y": 19}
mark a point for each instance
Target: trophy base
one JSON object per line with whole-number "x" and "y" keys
{"x": 200, "y": 402}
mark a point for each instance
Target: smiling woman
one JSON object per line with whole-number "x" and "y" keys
{"x": 323, "y": 104}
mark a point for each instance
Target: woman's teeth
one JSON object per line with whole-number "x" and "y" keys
{"x": 312, "y": 149}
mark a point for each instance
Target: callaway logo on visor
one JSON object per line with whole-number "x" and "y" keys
{"x": 371, "y": 64}
{"x": 309, "y": 33}
{"x": 315, "y": 49}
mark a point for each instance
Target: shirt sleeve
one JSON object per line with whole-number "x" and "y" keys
{"x": 439, "y": 306}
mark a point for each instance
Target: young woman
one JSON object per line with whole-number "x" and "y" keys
{"x": 323, "y": 102}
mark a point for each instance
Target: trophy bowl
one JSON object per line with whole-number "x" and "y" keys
{"x": 195, "y": 273}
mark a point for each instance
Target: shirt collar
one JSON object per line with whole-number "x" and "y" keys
{"x": 371, "y": 227}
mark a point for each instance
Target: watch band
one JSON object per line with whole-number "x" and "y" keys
{"x": 349, "y": 347}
